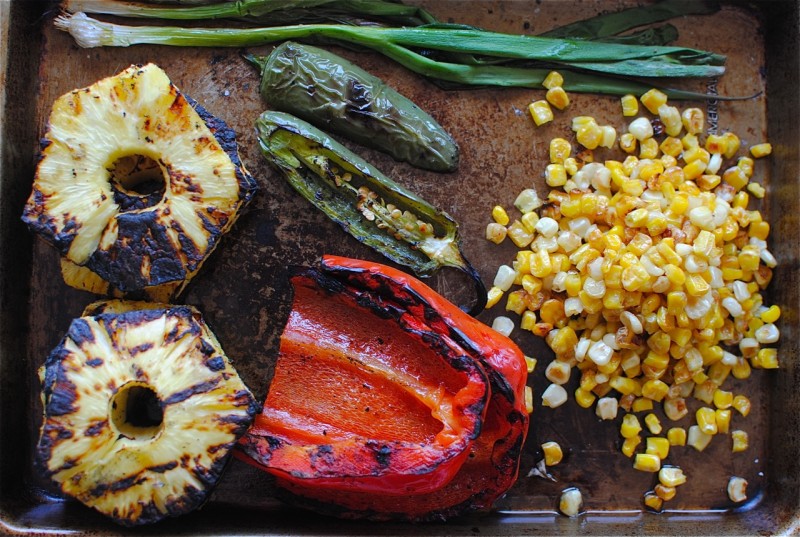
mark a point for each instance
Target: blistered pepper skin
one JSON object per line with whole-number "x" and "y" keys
{"x": 444, "y": 487}
{"x": 340, "y": 97}
{"x": 367, "y": 204}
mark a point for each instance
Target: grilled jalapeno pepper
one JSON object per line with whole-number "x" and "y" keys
{"x": 340, "y": 97}
{"x": 370, "y": 206}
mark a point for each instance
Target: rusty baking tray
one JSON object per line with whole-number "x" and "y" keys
{"x": 243, "y": 289}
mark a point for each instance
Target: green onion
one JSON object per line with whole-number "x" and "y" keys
{"x": 399, "y": 44}
{"x": 272, "y": 12}
{"x": 613, "y": 24}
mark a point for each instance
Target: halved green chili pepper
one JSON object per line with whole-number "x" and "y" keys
{"x": 363, "y": 201}
{"x": 340, "y": 97}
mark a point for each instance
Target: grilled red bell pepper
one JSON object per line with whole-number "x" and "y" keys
{"x": 388, "y": 401}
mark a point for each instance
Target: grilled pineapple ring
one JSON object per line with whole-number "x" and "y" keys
{"x": 141, "y": 410}
{"x": 136, "y": 182}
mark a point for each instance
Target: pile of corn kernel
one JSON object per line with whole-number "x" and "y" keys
{"x": 644, "y": 275}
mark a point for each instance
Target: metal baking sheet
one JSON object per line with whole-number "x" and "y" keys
{"x": 244, "y": 294}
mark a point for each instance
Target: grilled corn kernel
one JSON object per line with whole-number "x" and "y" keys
{"x": 553, "y": 79}
{"x": 642, "y": 404}
{"x": 761, "y": 150}
{"x": 671, "y": 476}
{"x": 557, "y": 97}
{"x": 529, "y": 399}
{"x": 697, "y": 438}
{"x": 723, "y": 420}
{"x": 630, "y": 426}
{"x": 528, "y": 320}
{"x": 735, "y": 177}
{"x": 693, "y": 120}
{"x": 653, "y": 99}
{"x": 665, "y": 493}
{"x": 500, "y": 215}
{"x": 570, "y": 502}
{"x": 671, "y": 118}
{"x": 519, "y": 235}
{"x": 496, "y": 232}
{"x": 540, "y": 112}
{"x": 654, "y": 389}
{"x": 676, "y": 436}
{"x": 723, "y": 399}
{"x": 629, "y": 445}
{"x": 652, "y": 501}
{"x": 584, "y": 398}
{"x": 647, "y": 462}
{"x": 630, "y": 105}
{"x": 503, "y": 325}
{"x": 740, "y": 441}
{"x": 737, "y": 489}
{"x": 554, "y": 396}
{"x": 648, "y": 149}
{"x": 555, "y": 175}
{"x": 641, "y": 128}
{"x": 607, "y": 408}
{"x": 493, "y": 297}
{"x": 756, "y": 190}
{"x": 552, "y": 453}
{"x": 560, "y": 150}
{"x": 653, "y": 423}
{"x": 658, "y": 446}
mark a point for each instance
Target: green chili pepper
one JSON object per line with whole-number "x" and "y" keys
{"x": 370, "y": 206}
{"x": 340, "y": 97}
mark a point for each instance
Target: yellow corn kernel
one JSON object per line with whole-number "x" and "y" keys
{"x": 771, "y": 315}
{"x": 716, "y": 143}
{"x": 541, "y": 266}
{"x": 665, "y": 493}
{"x": 500, "y": 215}
{"x": 648, "y": 148}
{"x": 723, "y": 419}
{"x": 677, "y": 436}
{"x": 654, "y": 389}
{"x": 627, "y": 142}
{"x": 642, "y": 404}
{"x": 756, "y": 189}
{"x": 747, "y": 165}
{"x": 629, "y": 445}
{"x": 571, "y": 165}
{"x": 694, "y": 169}
{"x": 530, "y": 363}
{"x": 732, "y": 144}
{"x": 652, "y": 501}
{"x": 540, "y": 112}
{"x": 630, "y": 426}
{"x": 759, "y": 230}
{"x": 552, "y": 453}
{"x": 708, "y": 181}
{"x": 653, "y": 423}
{"x": 761, "y": 150}
{"x": 697, "y": 438}
{"x": 557, "y": 97}
{"x": 555, "y": 175}
{"x": 560, "y": 150}
{"x": 624, "y": 385}
{"x": 584, "y": 398}
{"x": 496, "y": 232}
{"x": 723, "y": 399}
{"x": 706, "y": 420}
{"x": 671, "y": 476}
{"x": 630, "y": 105}
{"x": 693, "y": 120}
{"x": 689, "y": 141}
{"x": 519, "y": 235}
{"x": 767, "y": 359}
{"x": 528, "y": 320}
{"x": 740, "y": 441}
{"x": 735, "y": 177}
{"x": 553, "y": 79}
{"x": 516, "y": 302}
{"x": 652, "y": 99}
{"x": 647, "y": 462}
{"x": 493, "y": 296}
{"x": 696, "y": 285}
{"x": 529, "y": 221}
{"x": 657, "y": 445}
{"x": 589, "y": 135}
{"x": 528, "y": 399}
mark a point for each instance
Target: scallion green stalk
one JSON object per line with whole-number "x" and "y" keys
{"x": 264, "y": 11}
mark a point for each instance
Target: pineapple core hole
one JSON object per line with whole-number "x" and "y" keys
{"x": 136, "y": 411}
{"x": 138, "y": 176}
